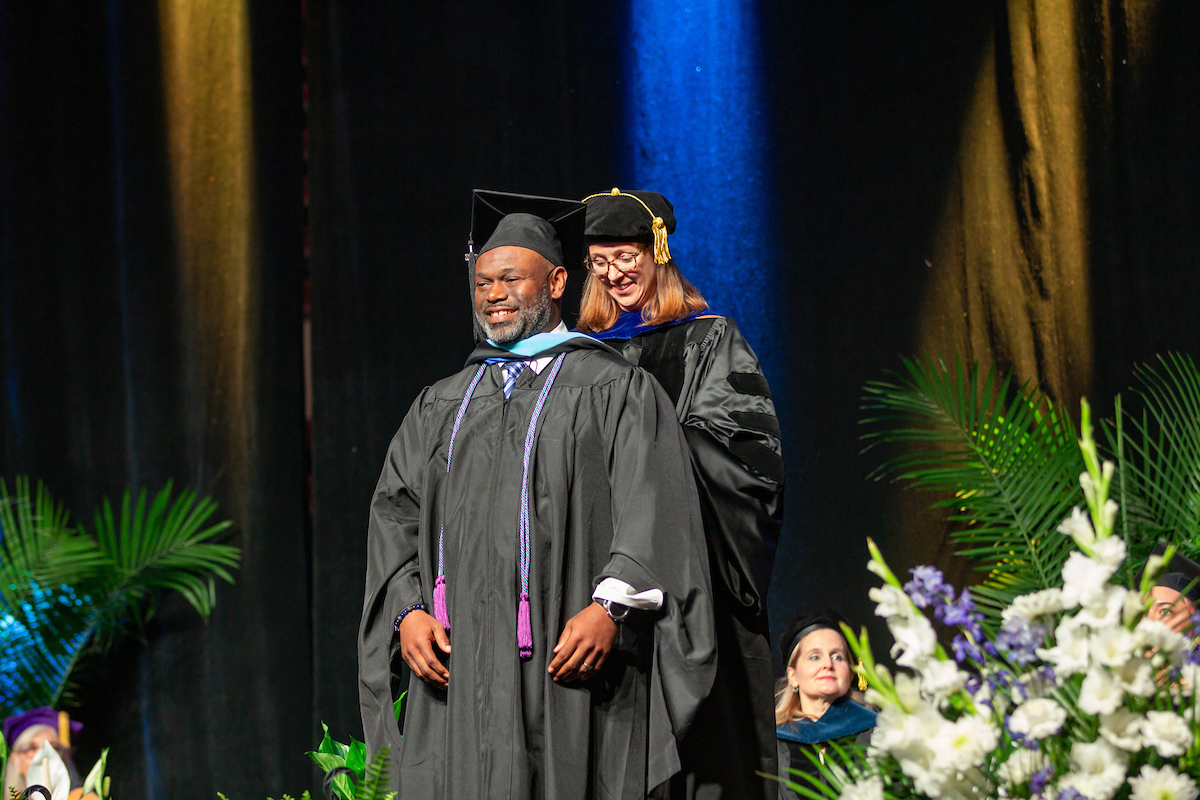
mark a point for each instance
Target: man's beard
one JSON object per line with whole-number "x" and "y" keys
{"x": 526, "y": 322}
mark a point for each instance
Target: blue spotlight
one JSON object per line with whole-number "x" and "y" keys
{"x": 697, "y": 132}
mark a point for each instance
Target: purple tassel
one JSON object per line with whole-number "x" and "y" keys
{"x": 524, "y": 629}
{"x": 439, "y": 602}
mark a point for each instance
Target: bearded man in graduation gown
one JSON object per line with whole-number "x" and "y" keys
{"x": 536, "y": 553}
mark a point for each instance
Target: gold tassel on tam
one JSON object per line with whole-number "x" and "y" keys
{"x": 862, "y": 677}
{"x": 661, "y": 253}
{"x": 64, "y": 729}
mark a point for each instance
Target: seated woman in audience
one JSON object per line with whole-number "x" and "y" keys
{"x": 25, "y": 734}
{"x": 1176, "y": 593}
{"x": 813, "y": 705}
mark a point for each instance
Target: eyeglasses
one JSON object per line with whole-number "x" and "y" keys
{"x": 623, "y": 263}
{"x": 31, "y": 750}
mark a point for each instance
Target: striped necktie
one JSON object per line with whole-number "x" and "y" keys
{"x": 512, "y": 371}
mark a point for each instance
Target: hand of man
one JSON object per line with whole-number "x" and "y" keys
{"x": 418, "y": 632}
{"x": 584, "y": 644}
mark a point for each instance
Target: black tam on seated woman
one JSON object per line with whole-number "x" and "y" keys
{"x": 814, "y": 702}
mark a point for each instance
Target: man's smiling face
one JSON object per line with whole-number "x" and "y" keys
{"x": 513, "y": 292}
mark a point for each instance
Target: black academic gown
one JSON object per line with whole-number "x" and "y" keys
{"x": 722, "y": 398}
{"x": 611, "y": 497}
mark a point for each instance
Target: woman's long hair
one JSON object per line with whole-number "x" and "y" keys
{"x": 674, "y": 298}
{"x": 787, "y": 703}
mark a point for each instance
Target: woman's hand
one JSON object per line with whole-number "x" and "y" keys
{"x": 584, "y": 644}
{"x": 418, "y": 633}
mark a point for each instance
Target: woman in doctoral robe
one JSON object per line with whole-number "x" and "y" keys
{"x": 814, "y": 705}
{"x": 636, "y": 299}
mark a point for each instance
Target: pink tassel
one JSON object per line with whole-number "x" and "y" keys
{"x": 439, "y": 602}
{"x": 524, "y": 629}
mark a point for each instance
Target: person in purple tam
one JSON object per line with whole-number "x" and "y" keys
{"x": 24, "y": 734}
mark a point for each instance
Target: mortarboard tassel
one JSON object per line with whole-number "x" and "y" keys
{"x": 661, "y": 253}
{"x": 439, "y": 602}
{"x": 524, "y": 628}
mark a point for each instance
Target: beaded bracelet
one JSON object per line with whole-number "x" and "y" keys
{"x": 405, "y": 612}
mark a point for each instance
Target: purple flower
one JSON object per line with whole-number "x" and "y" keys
{"x": 1040, "y": 778}
{"x": 961, "y": 613}
{"x": 927, "y": 587}
{"x": 964, "y": 648}
{"x": 1019, "y": 640}
{"x": 1071, "y": 793}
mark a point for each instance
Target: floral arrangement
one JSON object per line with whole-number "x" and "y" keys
{"x": 1075, "y": 694}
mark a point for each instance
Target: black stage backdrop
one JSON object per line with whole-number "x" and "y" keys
{"x": 1015, "y": 180}
{"x": 151, "y": 279}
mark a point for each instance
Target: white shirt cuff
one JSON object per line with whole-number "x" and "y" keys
{"x": 618, "y": 591}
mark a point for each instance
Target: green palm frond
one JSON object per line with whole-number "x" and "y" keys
{"x": 166, "y": 545}
{"x": 1159, "y": 457}
{"x": 65, "y": 595}
{"x": 1004, "y": 456}
{"x": 38, "y": 543}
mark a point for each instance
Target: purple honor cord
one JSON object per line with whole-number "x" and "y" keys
{"x": 524, "y": 624}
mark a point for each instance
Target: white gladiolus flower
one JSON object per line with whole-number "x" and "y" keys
{"x": 1079, "y": 527}
{"x": 1020, "y": 766}
{"x": 1153, "y": 633}
{"x": 891, "y": 602}
{"x": 964, "y": 743}
{"x": 1162, "y": 784}
{"x": 869, "y": 789}
{"x": 1084, "y": 579}
{"x": 877, "y": 568}
{"x": 1109, "y": 551}
{"x": 1089, "y": 487}
{"x": 1123, "y": 729}
{"x": 1108, "y": 513}
{"x": 1189, "y": 677}
{"x": 941, "y": 678}
{"x": 1167, "y": 733}
{"x": 1100, "y": 693}
{"x": 1033, "y": 605}
{"x": 1137, "y": 677}
{"x": 1070, "y": 652}
{"x": 915, "y": 640}
{"x": 1112, "y": 646}
{"x": 1134, "y": 608}
{"x": 1099, "y": 770}
{"x": 905, "y": 734}
{"x": 1105, "y": 608}
{"x": 1037, "y": 718}
{"x": 908, "y": 689}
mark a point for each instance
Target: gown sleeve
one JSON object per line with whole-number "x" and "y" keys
{"x": 393, "y": 578}
{"x": 658, "y": 542}
{"x": 734, "y": 439}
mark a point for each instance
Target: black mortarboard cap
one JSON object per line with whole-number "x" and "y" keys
{"x": 1181, "y": 574}
{"x": 631, "y": 216}
{"x": 803, "y": 626}
{"x": 549, "y": 226}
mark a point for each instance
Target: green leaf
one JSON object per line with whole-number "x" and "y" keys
{"x": 398, "y": 704}
{"x": 66, "y": 595}
{"x": 356, "y": 758}
{"x": 326, "y": 761}
{"x": 1002, "y": 457}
